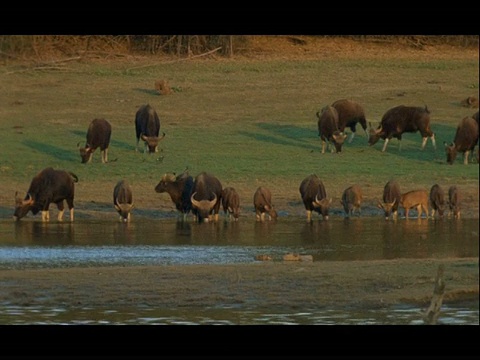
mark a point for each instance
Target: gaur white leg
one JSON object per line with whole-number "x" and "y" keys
{"x": 45, "y": 215}
{"x": 433, "y": 213}
{"x": 60, "y": 215}
{"x": 104, "y": 156}
{"x": 424, "y": 142}
{"x": 385, "y": 144}
{"x": 323, "y": 147}
{"x": 71, "y": 214}
{"x": 433, "y": 141}
{"x": 309, "y": 215}
{"x": 262, "y": 217}
{"x": 465, "y": 157}
{"x": 406, "y": 213}
{"x": 216, "y": 217}
{"x": 395, "y": 214}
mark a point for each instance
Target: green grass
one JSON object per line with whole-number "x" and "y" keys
{"x": 248, "y": 122}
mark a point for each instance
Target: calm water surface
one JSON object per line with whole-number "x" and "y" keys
{"x": 31, "y": 244}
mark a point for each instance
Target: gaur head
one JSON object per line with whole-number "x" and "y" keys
{"x": 152, "y": 142}
{"x": 386, "y": 207}
{"x": 22, "y": 207}
{"x": 166, "y": 179}
{"x": 338, "y": 140}
{"x": 322, "y": 206}
{"x": 86, "y": 153}
{"x": 451, "y": 152}
{"x": 374, "y": 135}
{"x": 203, "y": 207}
{"x": 124, "y": 210}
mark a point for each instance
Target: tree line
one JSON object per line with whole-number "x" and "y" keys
{"x": 14, "y": 46}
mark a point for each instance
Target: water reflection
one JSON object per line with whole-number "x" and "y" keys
{"x": 342, "y": 239}
{"x": 36, "y": 232}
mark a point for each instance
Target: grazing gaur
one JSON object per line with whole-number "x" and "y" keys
{"x": 352, "y": 200}
{"x": 231, "y": 202}
{"x": 391, "y": 199}
{"x": 466, "y": 138}
{"x": 454, "y": 201}
{"x": 98, "y": 136}
{"x": 349, "y": 114}
{"x": 402, "y": 119}
{"x": 415, "y": 198}
{"x": 437, "y": 200}
{"x": 206, "y": 197}
{"x": 262, "y": 202}
{"x": 314, "y": 196}
{"x": 328, "y": 129}
{"x": 123, "y": 199}
{"x": 180, "y": 190}
{"x": 48, "y": 186}
{"x": 147, "y": 127}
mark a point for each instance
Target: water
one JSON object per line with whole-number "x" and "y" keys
{"x": 33, "y": 244}
{"x": 398, "y": 315}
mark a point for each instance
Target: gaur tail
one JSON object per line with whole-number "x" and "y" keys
{"x": 74, "y": 177}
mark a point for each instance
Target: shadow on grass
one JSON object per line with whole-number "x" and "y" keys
{"x": 290, "y": 131}
{"x": 288, "y": 135}
{"x": 147, "y": 91}
{"x": 54, "y": 151}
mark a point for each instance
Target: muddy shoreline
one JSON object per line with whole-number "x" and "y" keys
{"x": 273, "y": 285}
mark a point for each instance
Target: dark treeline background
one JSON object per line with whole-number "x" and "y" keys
{"x": 23, "y": 46}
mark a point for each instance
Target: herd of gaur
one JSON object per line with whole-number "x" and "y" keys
{"x": 204, "y": 195}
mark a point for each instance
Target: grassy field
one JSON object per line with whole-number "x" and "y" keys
{"x": 248, "y": 121}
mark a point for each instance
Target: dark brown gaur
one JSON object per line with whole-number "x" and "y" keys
{"x": 352, "y": 200}
{"x": 454, "y": 201}
{"x": 123, "y": 199}
{"x": 147, "y": 128}
{"x": 98, "y": 136}
{"x": 262, "y": 202}
{"x": 206, "y": 197}
{"x": 403, "y": 119}
{"x": 48, "y": 186}
{"x": 231, "y": 203}
{"x": 437, "y": 200}
{"x": 328, "y": 129}
{"x": 180, "y": 190}
{"x": 466, "y": 138}
{"x": 350, "y": 113}
{"x": 314, "y": 196}
{"x": 391, "y": 199}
